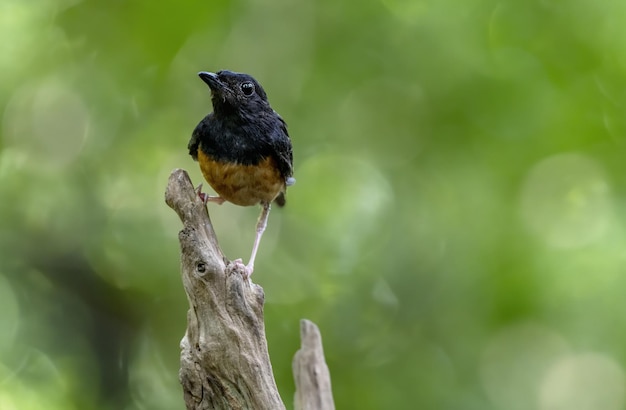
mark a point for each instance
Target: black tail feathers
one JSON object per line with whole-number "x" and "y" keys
{"x": 280, "y": 200}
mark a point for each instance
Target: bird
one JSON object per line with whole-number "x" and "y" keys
{"x": 243, "y": 148}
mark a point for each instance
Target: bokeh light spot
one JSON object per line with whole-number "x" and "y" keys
{"x": 566, "y": 201}
{"x": 345, "y": 197}
{"x": 587, "y": 381}
{"x": 49, "y": 122}
{"x": 514, "y": 361}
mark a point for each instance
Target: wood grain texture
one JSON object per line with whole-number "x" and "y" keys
{"x": 224, "y": 359}
{"x": 313, "y": 387}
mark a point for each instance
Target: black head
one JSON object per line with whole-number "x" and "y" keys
{"x": 232, "y": 91}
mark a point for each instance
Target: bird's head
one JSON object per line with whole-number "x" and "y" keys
{"x": 232, "y": 92}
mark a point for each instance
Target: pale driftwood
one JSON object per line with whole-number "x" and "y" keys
{"x": 313, "y": 388}
{"x": 224, "y": 362}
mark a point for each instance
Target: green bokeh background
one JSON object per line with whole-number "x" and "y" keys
{"x": 457, "y": 230}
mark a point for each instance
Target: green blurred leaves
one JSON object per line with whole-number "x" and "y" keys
{"x": 445, "y": 152}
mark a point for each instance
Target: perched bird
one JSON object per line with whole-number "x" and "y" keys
{"x": 243, "y": 148}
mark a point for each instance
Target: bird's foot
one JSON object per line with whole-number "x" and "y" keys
{"x": 205, "y": 198}
{"x": 247, "y": 270}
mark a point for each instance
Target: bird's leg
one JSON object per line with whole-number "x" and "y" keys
{"x": 260, "y": 228}
{"x": 208, "y": 198}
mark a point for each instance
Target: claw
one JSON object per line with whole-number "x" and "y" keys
{"x": 205, "y": 198}
{"x": 239, "y": 265}
{"x": 249, "y": 269}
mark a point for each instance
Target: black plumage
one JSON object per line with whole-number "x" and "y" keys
{"x": 243, "y": 146}
{"x": 242, "y": 129}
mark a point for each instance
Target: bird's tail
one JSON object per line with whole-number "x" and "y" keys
{"x": 280, "y": 200}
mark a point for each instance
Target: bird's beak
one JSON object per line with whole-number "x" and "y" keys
{"x": 212, "y": 80}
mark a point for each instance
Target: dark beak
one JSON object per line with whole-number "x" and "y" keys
{"x": 212, "y": 80}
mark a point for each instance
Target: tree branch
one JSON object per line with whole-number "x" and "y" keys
{"x": 224, "y": 359}
{"x": 224, "y": 362}
{"x": 313, "y": 389}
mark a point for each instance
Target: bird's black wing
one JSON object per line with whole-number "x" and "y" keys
{"x": 196, "y": 136}
{"x": 282, "y": 150}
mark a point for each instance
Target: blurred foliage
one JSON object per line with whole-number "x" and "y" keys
{"x": 457, "y": 229}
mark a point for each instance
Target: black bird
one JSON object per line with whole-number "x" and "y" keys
{"x": 243, "y": 148}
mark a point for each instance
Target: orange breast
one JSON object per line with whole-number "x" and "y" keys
{"x": 243, "y": 185}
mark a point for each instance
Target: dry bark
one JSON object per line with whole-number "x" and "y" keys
{"x": 313, "y": 388}
{"x": 224, "y": 358}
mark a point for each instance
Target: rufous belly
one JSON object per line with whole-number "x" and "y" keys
{"x": 240, "y": 184}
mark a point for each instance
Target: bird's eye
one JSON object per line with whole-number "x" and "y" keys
{"x": 247, "y": 88}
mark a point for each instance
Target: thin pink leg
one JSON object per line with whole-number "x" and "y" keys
{"x": 217, "y": 199}
{"x": 208, "y": 198}
{"x": 260, "y": 228}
